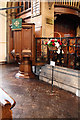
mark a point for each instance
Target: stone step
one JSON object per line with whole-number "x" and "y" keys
{"x": 62, "y": 77}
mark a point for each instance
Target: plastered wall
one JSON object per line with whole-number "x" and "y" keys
{"x": 47, "y": 29}
{"x": 2, "y": 32}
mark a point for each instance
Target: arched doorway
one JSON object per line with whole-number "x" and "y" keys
{"x": 66, "y": 25}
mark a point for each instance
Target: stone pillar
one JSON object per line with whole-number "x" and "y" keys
{"x": 2, "y": 32}
{"x": 47, "y": 22}
{"x": 47, "y": 19}
{"x": 8, "y": 34}
{"x": 78, "y": 31}
{"x": 10, "y": 16}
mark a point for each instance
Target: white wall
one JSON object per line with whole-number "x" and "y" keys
{"x": 2, "y": 32}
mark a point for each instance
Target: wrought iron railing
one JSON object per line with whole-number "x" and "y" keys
{"x": 72, "y": 3}
{"x": 70, "y": 58}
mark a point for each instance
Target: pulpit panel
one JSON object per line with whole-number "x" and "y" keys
{"x": 26, "y": 42}
{"x": 23, "y": 40}
{"x": 17, "y": 42}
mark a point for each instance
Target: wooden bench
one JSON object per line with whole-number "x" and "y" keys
{"x": 6, "y": 104}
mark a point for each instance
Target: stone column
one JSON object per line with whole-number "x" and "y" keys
{"x": 47, "y": 19}
{"x": 10, "y": 16}
{"x": 2, "y": 32}
{"x": 78, "y": 31}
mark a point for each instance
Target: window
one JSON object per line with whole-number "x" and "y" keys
{"x": 36, "y": 7}
{"x": 18, "y": 10}
{"x": 28, "y": 4}
{"x": 21, "y": 7}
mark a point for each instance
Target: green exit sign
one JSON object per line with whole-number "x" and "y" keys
{"x": 17, "y": 24}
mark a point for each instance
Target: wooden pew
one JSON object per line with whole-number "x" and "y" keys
{"x": 6, "y": 104}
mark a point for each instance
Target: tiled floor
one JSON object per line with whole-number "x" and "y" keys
{"x": 34, "y": 99}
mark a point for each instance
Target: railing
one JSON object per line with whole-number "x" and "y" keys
{"x": 70, "y": 58}
{"x": 72, "y": 3}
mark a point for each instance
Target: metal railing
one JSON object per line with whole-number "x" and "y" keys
{"x": 72, "y": 3}
{"x": 70, "y": 58}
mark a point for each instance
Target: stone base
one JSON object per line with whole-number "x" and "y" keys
{"x": 25, "y": 69}
{"x": 23, "y": 75}
{"x": 65, "y": 78}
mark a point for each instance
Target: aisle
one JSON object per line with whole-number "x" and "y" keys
{"x": 34, "y": 99}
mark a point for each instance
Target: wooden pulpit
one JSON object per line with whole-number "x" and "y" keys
{"x": 24, "y": 48}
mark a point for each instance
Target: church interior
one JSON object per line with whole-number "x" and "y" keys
{"x": 39, "y": 59}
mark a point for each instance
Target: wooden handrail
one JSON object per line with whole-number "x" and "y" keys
{"x": 6, "y": 99}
